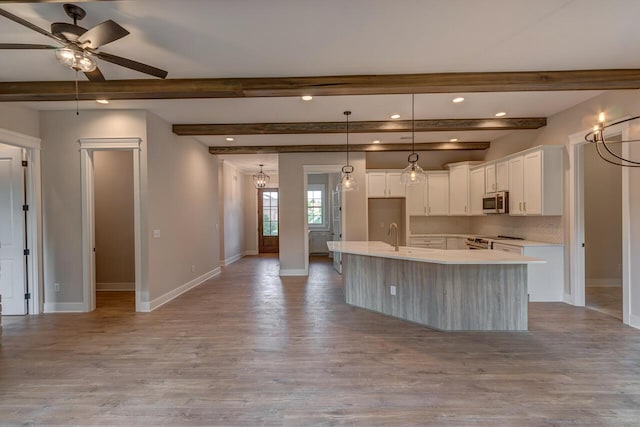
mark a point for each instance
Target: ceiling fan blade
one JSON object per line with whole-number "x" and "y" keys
{"x": 28, "y": 24}
{"x": 25, "y": 46}
{"x": 95, "y": 75}
{"x": 134, "y": 65}
{"x": 101, "y": 34}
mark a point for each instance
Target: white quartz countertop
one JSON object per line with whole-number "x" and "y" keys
{"x": 512, "y": 242}
{"x": 437, "y": 256}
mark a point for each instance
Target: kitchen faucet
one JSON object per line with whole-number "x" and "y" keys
{"x": 394, "y": 242}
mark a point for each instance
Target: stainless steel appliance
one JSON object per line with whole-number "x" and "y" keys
{"x": 496, "y": 203}
{"x": 478, "y": 243}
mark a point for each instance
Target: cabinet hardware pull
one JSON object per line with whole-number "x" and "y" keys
{"x": 525, "y": 206}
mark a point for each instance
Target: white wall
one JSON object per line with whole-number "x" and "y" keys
{"x": 61, "y": 190}
{"x": 113, "y": 192}
{"x": 293, "y": 217}
{"x": 232, "y": 193}
{"x": 577, "y": 119}
{"x": 182, "y": 181}
{"x": 602, "y": 220}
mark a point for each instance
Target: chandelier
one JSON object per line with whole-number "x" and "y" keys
{"x": 261, "y": 179}
{"x": 597, "y": 137}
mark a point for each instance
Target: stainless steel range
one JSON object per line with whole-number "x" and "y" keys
{"x": 485, "y": 242}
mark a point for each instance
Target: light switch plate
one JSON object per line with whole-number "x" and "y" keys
{"x": 156, "y": 234}
{"x": 392, "y": 290}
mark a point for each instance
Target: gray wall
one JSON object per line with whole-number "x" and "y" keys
{"x": 232, "y": 189}
{"x": 602, "y": 219}
{"x": 19, "y": 119}
{"x": 113, "y": 186}
{"x": 292, "y": 219}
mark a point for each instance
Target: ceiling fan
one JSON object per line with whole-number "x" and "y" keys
{"x": 80, "y": 46}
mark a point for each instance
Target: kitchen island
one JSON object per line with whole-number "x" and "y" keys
{"x": 450, "y": 290}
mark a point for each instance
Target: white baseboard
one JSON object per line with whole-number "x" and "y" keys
{"x": 163, "y": 299}
{"x": 568, "y": 299}
{"x": 634, "y": 321}
{"x": 604, "y": 283}
{"x": 124, "y": 286}
{"x": 251, "y": 252}
{"x": 64, "y": 307}
{"x": 231, "y": 259}
{"x": 294, "y": 272}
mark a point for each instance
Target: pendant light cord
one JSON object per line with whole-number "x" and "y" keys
{"x": 413, "y": 124}
{"x": 347, "y": 139}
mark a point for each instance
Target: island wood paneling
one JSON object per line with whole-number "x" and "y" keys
{"x": 450, "y": 297}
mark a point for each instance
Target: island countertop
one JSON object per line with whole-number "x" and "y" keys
{"x": 436, "y": 256}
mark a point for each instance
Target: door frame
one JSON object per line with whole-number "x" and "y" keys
{"x": 576, "y": 219}
{"x": 87, "y": 147}
{"x": 32, "y": 147}
{"x": 316, "y": 169}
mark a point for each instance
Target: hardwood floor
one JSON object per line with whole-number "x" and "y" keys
{"x": 605, "y": 299}
{"x": 250, "y": 348}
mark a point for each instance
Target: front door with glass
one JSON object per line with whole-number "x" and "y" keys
{"x": 268, "y": 221}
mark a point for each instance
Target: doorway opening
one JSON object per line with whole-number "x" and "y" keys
{"x": 89, "y": 150}
{"x": 114, "y": 229}
{"x": 20, "y": 224}
{"x": 268, "y": 208}
{"x": 603, "y": 232}
{"x": 587, "y": 247}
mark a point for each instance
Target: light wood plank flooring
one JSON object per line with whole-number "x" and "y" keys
{"x": 250, "y": 348}
{"x": 605, "y": 299}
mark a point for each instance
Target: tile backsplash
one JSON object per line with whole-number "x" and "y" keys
{"x": 543, "y": 229}
{"x": 539, "y": 228}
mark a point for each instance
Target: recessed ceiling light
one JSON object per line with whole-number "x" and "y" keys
{"x": 501, "y": 114}
{"x": 458, "y": 99}
{"x": 395, "y": 116}
{"x": 229, "y": 139}
{"x": 376, "y": 142}
{"x": 453, "y": 140}
{"x": 102, "y": 101}
{"x": 307, "y": 98}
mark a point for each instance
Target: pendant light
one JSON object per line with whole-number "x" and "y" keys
{"x": 413, "y": 174}
{"x": 347, "y": 181}
{"x": 261, "y": 179}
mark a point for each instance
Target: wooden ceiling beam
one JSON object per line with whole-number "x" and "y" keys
{"x": 326, "y": 85}
{"x": 274, "y": 149}
{"x": 297, "y": 128}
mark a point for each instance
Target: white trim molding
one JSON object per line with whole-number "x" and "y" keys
{"x": 171, "y": 295}
{"x": 251, "y": 252}
{"x": 231, "y": 259}
{"x": 110, "y": 143}
{"x": 19, "y": 139}
{"x": 64, "y": 307}
{"x": 116, "y": 286}
{"x": 634, "y": 321}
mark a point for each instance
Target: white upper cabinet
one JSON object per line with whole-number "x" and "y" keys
{"x": 476, "y": 190}
{"x": 502, "y": 175}
{"x": 536, "y": 182}
{"x": 384, "y": 184}
{"x": 496, "y": 176}
{"x": 431, "y": 198}
{"x": 459, "y": 189}
{"x": 437, "y": 193}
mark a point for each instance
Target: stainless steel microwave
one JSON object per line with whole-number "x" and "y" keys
{"x": 496, "y": 203}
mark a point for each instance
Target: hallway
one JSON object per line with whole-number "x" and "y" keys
{"x": 252, "y": 348}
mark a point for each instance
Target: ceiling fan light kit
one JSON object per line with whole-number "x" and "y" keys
{"x": 80, "y": 46}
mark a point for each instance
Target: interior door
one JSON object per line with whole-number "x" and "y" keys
{"x": 12, "y": 259}
{"x": 268, "y": 241}
{"x": 336, "y": 228}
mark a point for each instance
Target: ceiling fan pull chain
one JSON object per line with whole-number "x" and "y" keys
{"x": 77, "y": 101}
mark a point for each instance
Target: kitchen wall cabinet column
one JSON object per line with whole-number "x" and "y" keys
{"x": 459, "y": 189}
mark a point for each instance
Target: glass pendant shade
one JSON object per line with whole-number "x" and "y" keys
{"x": 261, "y": 179}
{"x": 413, "y": 174}
{"x": 76, "y": 60}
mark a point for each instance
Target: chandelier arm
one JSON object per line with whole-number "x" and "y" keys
{"x": 604, "y": 143}
{"x": 613, "y": 162}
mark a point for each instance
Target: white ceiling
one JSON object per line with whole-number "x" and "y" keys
{"x": 256, "y": 38}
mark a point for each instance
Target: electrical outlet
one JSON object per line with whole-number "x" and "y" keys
{"x": 57, "y": 287}
{"x": 193, "y": 268}
{"x": 392, "y": 290}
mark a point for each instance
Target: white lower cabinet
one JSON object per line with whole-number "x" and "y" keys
{"x": 545, "y": 282}
{"x": 456, "y": 243}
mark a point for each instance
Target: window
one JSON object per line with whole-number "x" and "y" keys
{"x": 270, "y": 213}
{"x": 316, "y": 206}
